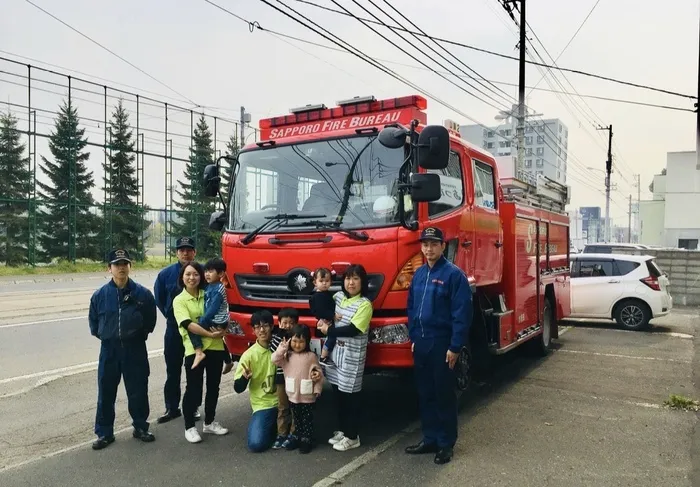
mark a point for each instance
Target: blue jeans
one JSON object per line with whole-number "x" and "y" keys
{"x": 262, "y": 430}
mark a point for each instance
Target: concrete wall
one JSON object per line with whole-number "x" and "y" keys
{"x": 683, "y": 269}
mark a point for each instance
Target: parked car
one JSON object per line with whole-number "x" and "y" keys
{"x": 630, "y": 289}
{"x": 610, "y": 248}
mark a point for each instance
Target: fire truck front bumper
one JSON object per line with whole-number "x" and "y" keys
{"x": 389, "y": 345}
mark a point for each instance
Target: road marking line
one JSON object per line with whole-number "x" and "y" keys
{"x": 28, "y": 323}
{"x": 76, "y": 446}
{"x": 66, "y": 371}
{"x": 616, "y": 355}
{"x": 344, "y": 471}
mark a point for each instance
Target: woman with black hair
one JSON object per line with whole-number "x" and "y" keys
{"x": 350, "y": 352}
{"x": 188, "y": 307}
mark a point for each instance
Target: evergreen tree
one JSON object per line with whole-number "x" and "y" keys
{"x": 194, "y": 209}
{"x": 15, "y": 182}
{"x": 232, "y": 150}
{"x": 68, "y": 225}
{"x": 124, "y": 220}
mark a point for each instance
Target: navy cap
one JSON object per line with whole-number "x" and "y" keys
{"x": 118, "y": 255}
{"x": 185, "y": 242}
{"x": 432, "y": 233}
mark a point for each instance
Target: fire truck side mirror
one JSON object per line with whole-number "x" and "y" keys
{"x": 425, "y": 187}
{"x": 212, "y": 180}
{"x": 217, "y": 220}
{"x": 434, "y": 147}
{"x": 393, "y": 137}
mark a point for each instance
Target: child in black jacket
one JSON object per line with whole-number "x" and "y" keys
{"x": 322, "y": 306}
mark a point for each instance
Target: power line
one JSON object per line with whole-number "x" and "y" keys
{"x": 112, "y": 52}
{"x": 570, "y": 40}
{"x": 505, "y": 56}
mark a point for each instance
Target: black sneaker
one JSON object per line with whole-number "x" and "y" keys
{"x": 102, "y": 442}
{"x": 279, "y": 442}
{"x": 326, "y": 361}
{"x": 143, "y": 435}
{"x": 169, "y": 415}
{"x": 197, "y": 415}
{"x": 291, "y": 443}
{"x": 305, "y": 446}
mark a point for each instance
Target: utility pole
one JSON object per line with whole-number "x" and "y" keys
{"x": 242, "y": 143}
{"x": 510, "y": 6}
{"x": 638, "y": 223}
{"x": 697, "y": 130}
{"x": 608, "y": 170}
{"x": 629, "y": 222}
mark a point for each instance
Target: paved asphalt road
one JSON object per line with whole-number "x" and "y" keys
{"x": 589, "y": 414}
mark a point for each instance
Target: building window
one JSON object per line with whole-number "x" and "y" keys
{"x": 541, "y": 127}
{"x": 528, "y": 163}
{"x": 489, "y": 145}
{"x": 507, "y": 144}
{"x": 452, "y": 185}
{"x": 528, "y": 140}
{"x": 540, "y": 151}
{"x": 508, "y": 132}
{"x": 558, "y": 175}
{"x": 484, "y": 143}
{"x": 528, "y": 130}
{"x": 528, "y": 151}
{"x": 502, "y": 132}
{"x": 540, "y": 139}
{"x": 559, "y": 150}
{"x": 490, "y": 134}
{"x": 486, "y": 133}
{"x": 540, "y": 163}
{"x": 560, "y": 128}
{"x": 540, "y": 173}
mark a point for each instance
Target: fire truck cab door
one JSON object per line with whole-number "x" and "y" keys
{"x": 488, "y": 234}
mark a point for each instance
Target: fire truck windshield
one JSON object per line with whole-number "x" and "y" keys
{"x": 316, "y": 178}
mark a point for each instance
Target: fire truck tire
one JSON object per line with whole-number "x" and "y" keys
{"x": 543, "y": 343}
{"x": 463, "y": 373}
{"x": 632, "y": 314}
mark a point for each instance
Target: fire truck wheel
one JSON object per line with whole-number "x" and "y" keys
{"x": 632, "y": 314}
{"x": 543, "y": 343}
{"x": 463, "y": 372}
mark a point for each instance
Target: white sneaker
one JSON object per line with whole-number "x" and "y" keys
{"x": 192, "y": 435}
{"x": 337, "y": 436}
{"x": 214, "y": 428}
{"x": 347, "y": 444}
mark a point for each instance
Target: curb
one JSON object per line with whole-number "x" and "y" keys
{"x": 67, "y": 278}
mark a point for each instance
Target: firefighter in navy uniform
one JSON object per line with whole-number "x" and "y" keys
{"x": 165, "y": 289}
{"x": 122, "y": 314}
{"x": 439, "y": 317}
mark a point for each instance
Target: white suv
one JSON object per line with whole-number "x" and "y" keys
{"x": 631, "y": 289}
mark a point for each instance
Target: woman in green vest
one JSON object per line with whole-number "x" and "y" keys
{"x": 188, "y": 307}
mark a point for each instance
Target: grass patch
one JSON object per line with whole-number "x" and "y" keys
{"x": 675, "y": 401}
{"x": 65, "y": 267}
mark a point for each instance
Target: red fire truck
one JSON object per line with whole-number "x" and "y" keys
{"x": 356, "y": 183}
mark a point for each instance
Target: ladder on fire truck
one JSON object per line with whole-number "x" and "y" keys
{"x": 545, "y": 193}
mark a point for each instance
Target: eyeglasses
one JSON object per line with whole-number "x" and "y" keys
{"x": 261, "y": 325}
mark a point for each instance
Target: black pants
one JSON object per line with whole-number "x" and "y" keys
{"x": 303, "y": 415}
{"x": 174, "y": 352}
{"x": 346, "y": 405}
{"x": 195, "y": 381}
{"x": 130, "y": 360}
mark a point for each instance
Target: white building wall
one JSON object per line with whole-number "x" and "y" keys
{"x": 651, "y": 217}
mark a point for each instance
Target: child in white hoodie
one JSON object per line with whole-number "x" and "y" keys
{"x": 297, "y": 361}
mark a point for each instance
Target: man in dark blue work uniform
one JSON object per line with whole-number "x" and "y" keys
{"x": 122, "y": 314}
{"x": 166, "y": 289}
{"x": 439, "y": 317}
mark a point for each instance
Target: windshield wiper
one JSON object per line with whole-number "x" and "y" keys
{"x": 355, "y": 235}
{"x": 279, "y": 219}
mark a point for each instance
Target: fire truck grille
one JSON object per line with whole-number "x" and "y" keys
{"x": 294, "y": 287}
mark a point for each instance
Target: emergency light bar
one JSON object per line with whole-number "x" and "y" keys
{"x": 357, "y": 99}
{"x": 308, "y": 108}
{"x": 313, "y": 113}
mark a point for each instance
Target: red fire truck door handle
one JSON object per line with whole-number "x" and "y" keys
{"x": 467, "y": 243}
{"x": 498, "y": 244}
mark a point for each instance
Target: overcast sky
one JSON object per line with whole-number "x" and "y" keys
{"x": 212, "y": 59}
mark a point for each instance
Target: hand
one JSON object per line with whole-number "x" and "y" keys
{"x": 315, "y": 375}
{"x": 217, "y": 334}
{"x": 246, "y": 371}
{"x": 451, "y": 359}
{"x": 322, "y": 326}
{"x": 413, "y": 347}
{"x": 284, "y": 344}
{"x": 338, "y": 317}
{"x": 227, "y": 368}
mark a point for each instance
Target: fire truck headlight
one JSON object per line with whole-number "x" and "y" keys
{"x": 389, "y": 334}
{"x": 403, "y": 280}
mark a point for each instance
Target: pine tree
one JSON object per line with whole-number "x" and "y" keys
{"x": 194, "y": 207}
{"x": 124, "y": 220}
{"x": 15, "y": 182}
{"x": 232, "y": 150}
{"x": 68, "y": 225}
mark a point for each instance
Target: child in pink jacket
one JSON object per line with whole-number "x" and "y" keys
{"x": 297, "y": 361}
